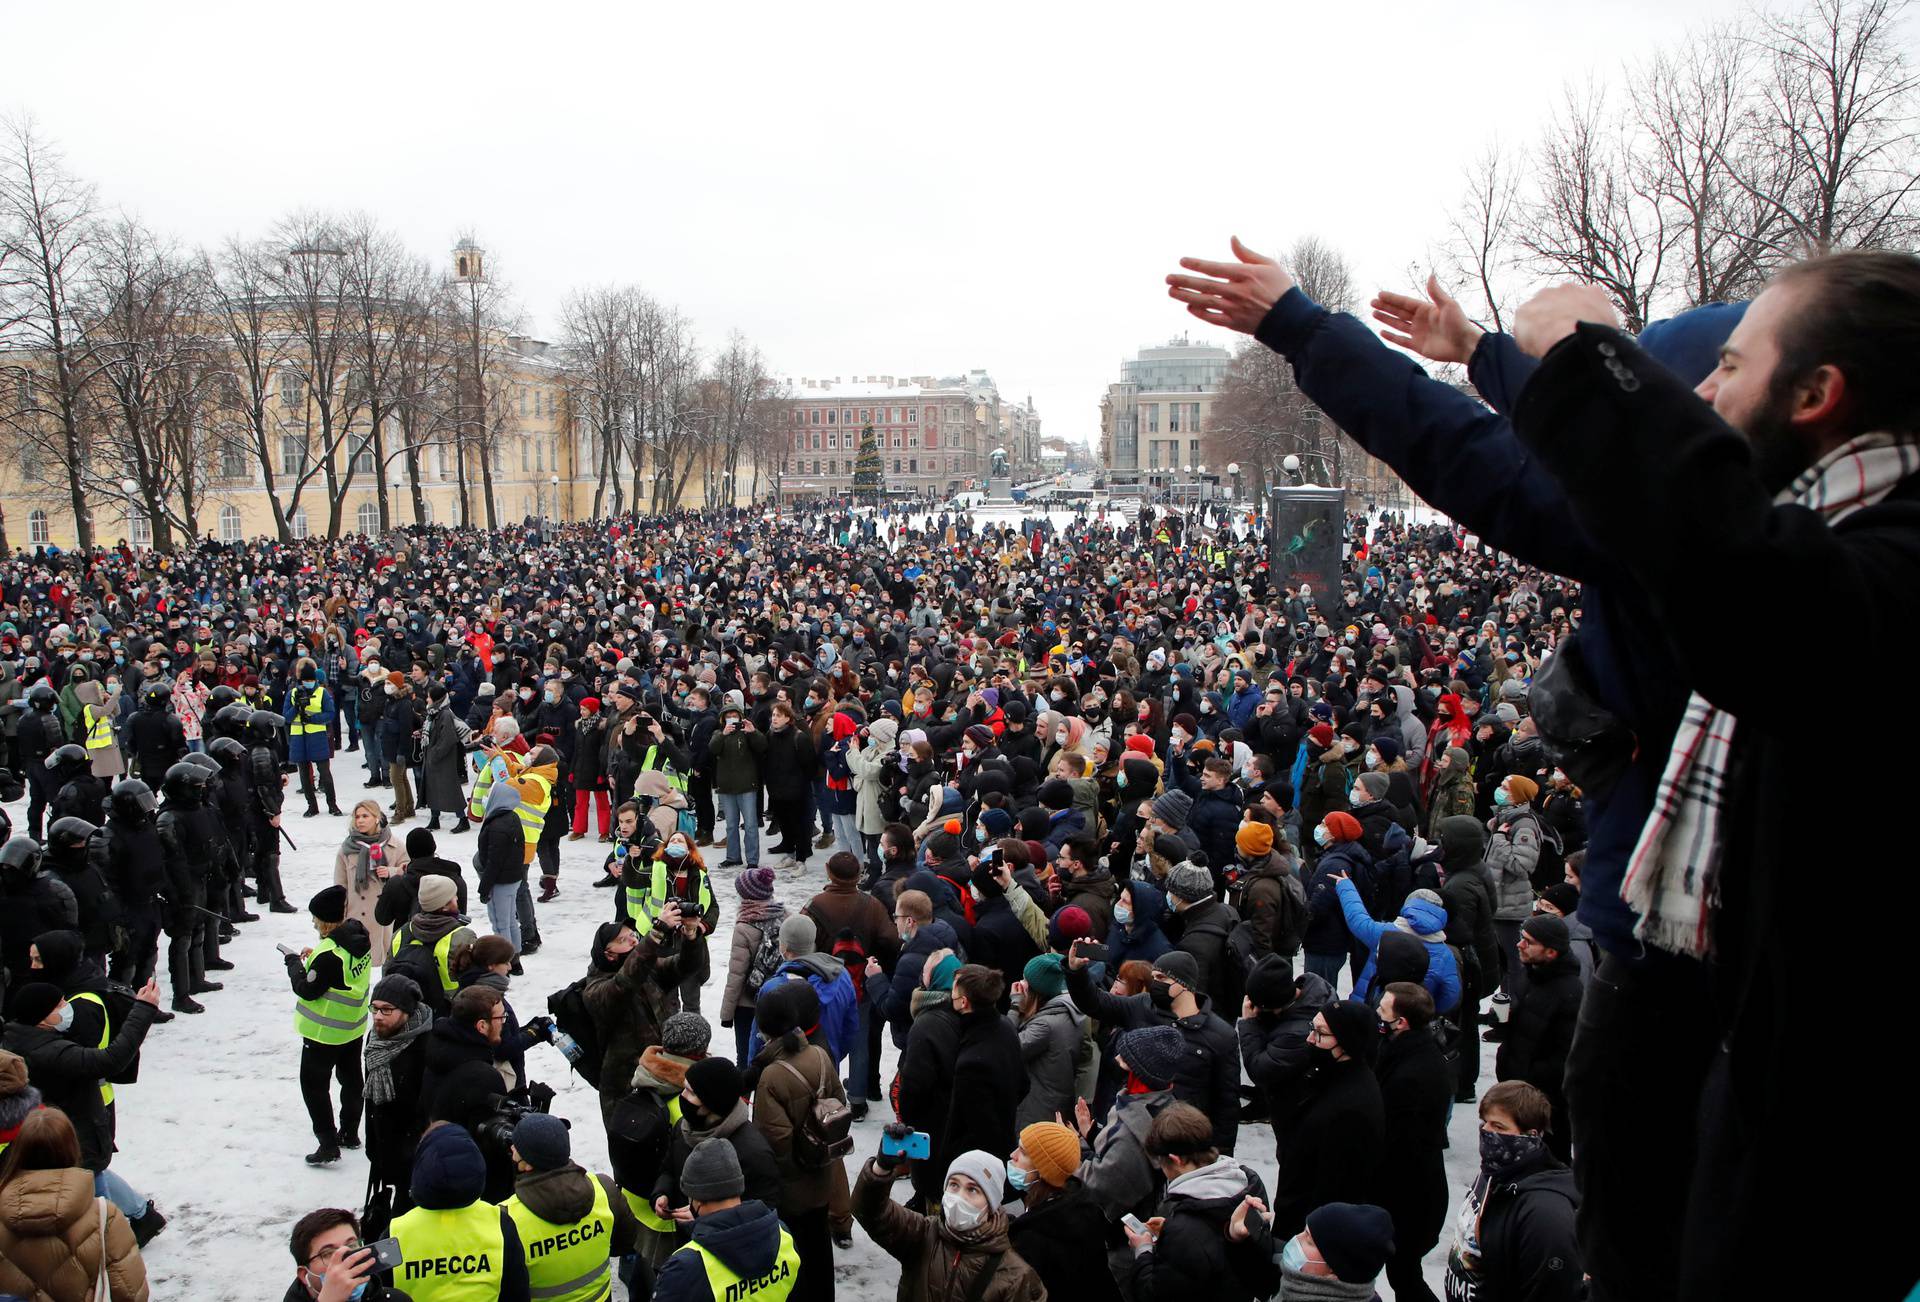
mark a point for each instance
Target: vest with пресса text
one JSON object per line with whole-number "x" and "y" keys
{"x": 337, "y": 1015}
{"x": 568, "y": 1263}
{"x": 455, "y": 1254}
{"x": 774, "y": 1286}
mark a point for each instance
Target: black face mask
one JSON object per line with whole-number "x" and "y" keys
{"x": 1161, "y": 994}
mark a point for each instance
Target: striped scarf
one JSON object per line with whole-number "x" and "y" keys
{"x": 1672, "y": 879}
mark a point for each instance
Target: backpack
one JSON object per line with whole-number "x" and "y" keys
{"x": 1227, "y": 983}
{"x": 568, "y": 1008}
{"x": 766, "y": 959}
{"x": 848, "y": 949}
{"x": 414, "y": 959}
{"x": 825, "y": 1133}
{"x": 1551, "y": 866}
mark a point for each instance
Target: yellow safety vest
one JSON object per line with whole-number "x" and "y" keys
{"x": 641, "y": 1206}
{"x": 567, "y": 1263}
{"x": 533, "y": 813}
{"x": 106, "y": 1036}
{"x": 489, "y": 773}
{"x": 675, "y": 778}
{"x": 442, "y": 952}
{"x": 455, "y": 1255}
{"x": 99, "y": 727}
{"x": 644, "y": 903}
{"x": 308, "y": 720}
{"x": 339, "y": 1015}
{"x": 774, "y": 1286}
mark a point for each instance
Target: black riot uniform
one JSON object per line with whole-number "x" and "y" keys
{"x": 268, "y": 794}
{"x": 39, "y": 735}
{"x": 188, "y": 857}
{"x": 80, "y": 794}
{"x": 76, "y": 854}
{"x": 157, "y": 739}
{"x": 233, "y": 798}
{"x": 136, "y": 869}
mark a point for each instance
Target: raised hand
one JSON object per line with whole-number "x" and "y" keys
{"x": 1437, "y": 329}
{"x": 1236, "y": 295}
{"x": 1551, "y": 315}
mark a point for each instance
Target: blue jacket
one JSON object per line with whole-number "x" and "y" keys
{"x": 1067, "y": 824}
{"x": 1443, "y": 974}
{"x": 1141, "y": 938}
{"x": 891, "y": 993}
{"x": 1241, "y": 705}
{"x": 839, "y": 1005}
{"x": 745, "y": 1238}
{"x": 1468, "y": 462}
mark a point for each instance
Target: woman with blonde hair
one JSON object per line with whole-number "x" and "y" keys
{"x": 56, "y": 1237}
{"x": 364, "y": 862}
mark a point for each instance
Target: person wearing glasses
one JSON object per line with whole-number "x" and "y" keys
{"x": 330, "y": 1262}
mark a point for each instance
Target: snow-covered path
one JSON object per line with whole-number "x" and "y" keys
{"x": 215, "y": 1130}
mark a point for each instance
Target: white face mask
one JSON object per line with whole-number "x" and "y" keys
{"x": 959, "y": 1211}
{"x": 1060, "y": 737}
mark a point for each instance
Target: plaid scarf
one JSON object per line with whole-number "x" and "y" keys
{"x": 1672, "y": 880}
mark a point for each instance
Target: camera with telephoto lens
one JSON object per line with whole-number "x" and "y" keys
{"x": 494, "y": 1133}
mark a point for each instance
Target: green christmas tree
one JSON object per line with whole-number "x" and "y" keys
{"x": 866, "y": 471}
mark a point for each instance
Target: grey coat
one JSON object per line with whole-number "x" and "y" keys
{"x": 1050, "y": 1042}
{"x": 1513, "y": 849}
{"x": 442, "y": 773}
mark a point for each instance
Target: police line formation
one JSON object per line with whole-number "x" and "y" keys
{"x": 1135, "y": 842}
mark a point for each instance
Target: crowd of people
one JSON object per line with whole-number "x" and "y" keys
{"x": 1138, "y": 852}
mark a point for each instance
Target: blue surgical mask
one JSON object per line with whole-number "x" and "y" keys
{"x": 1019, "y": 1177}
{"x": 319, "y": 1278}
{"x": 1500, "y": 796}
{"x": 1321, "y": 836}
{"x": 1122, "y": 915}
{"x": 676, "y": 851}
{"x": 1293, "y": 1257}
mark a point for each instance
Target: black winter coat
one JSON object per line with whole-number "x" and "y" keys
{"x": 400, "y": 895}
{"x": 789, "y": 764}
{"x": 989, "y": 1080}
{"x": 68, "y": 1076}
{"x": 1208, "y": 1074}
{"x": 1326, "y": 926}
{"x": 999, "y": 941}
{"x": 1193, "y": 1258}
{"x": 1332, "y": 1148}
{"x": 1540, "y": 1029}
{"x": 1527, "y": 1246}
{"x": 500, "y": 856}
{"x": 1416, "y": 1094}
{"x": 134, "y": 868}
{"x": 1274, "y": 1049}
{"x": 1064, "y": 1240}
{"x": 1203, "y": 932}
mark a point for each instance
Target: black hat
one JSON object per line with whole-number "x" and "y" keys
{"x": 789, "y": 1006}
{"x": 1549, "y": 931}
{"x": 1055, "y": 793}
{"x": 330, "y": 905}
{"x": 32, "y": 1003}
{"x": 1355, "y": 1028}
{"x": 1270, "y": 984}
{"x": 1182, "y": 967}
{"x": 717, "y": 1083}
{"x": 1354, "y": 1239}
{"x": 400, "y": 990}
{"x": 420, "y": 844}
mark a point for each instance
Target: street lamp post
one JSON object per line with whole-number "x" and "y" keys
{"x": 554, "y": 482}
{"x": 1233, "y": 474}
{"x": 1291, "y": 464}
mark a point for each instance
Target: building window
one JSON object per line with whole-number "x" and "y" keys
{"x": 846, "y": 417}
{"x": 800, "y": 442}
{"x": 139, "y": 529}
{"x": 297, "y": 522}
{"x": 526, "y": 456}
{"x": 442, "y": 450}
{"x": 833, "y": 466}
{"x": 896, "y": 465}
{"x": 816, "y": 440}
{"x": 523, "y": 404}
{"x": 913, "y": 465}
{"x": 816, "y": 415}
{"x": 896, "y": 438}
{"x": 1193, "y": 418}
{"x": 953, "y": 413}
{"x": 293, "y": 454}
{"x": 830, "y": 415}
{"x": 913, "y": 438}
{"x": 913, "y": 415}
{"x": 363, "y": 456}
{"x": 1153, "y": 418}
{"x": 233, "y": 461}
{"x": 539, "y": 456}
{"x": 833, "y": 438}
{"x": 866, "y": 416}
{"x": 37, "y": 530}
{"x": 292, "y": 390}
{"x": 366, "y": 520}
{"x": 229, "y": 524}
{"x": 1173, "y": 417}
{"x": 1153, "y": 455}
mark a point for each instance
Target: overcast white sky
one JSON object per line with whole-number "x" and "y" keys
{"x": 871, "y": 189}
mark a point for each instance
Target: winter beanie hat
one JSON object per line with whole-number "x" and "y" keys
{"x": 1056, "y": 794}
{"x": 1321, "y": 735}
{"x": 981, "y": 1167}
{"x": 1254, "y": 840}
{"x": 1549, "y": 931}
{"x": 32, "y": 1003}
{"x": 1140, "y": 744}
{"x": 712, "y": 1171}
{"x": 1046, "y": 976}
{"x": 717, "y": 1083}
{"x": 1354, "y": 1239}
{"x": 755, "y": 884}
{"x": 1341, "y": 826}
{"x": 798, "y": 935}
{"x": 1189, "y": 883}
{"x": 420, "y": 844}
{"x": 998, "y": 823}
{"x": 436, "y": 893}
{"x": 1152, "y": 1053}
{"x": 686, "y": 1035}
{"x": 1180, "y": 966}
{"x": 1172, "y": 808}
{"x": 980, "y": 735}
{"x": 329, "y": 905}
{"x": 1270, "y": 984}
{"x": 1389, "y": 748}
{"x": 1376, "y": 785}
{"x": 1522, "y": 790}
{"x": 1564, "y": 896}
{"x": 1068, "y": 925}
{"x": 402, "y": 991}
{"x": 1054, "y": 1151}
{"x": 542, "y": 1142}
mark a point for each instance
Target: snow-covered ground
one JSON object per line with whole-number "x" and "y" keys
{"x": 215, "y": 1131}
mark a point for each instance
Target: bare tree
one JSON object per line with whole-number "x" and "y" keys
{"x": 387, "y": 293}
{"x": 1838, "y": 106}
{"x": 244, "y": 319}
{"x": 664, "y": 366}
{"x": 484, "y": 317}
{"x": 423, "y": 381}
{"x": 593, "y": 333}
{"x": 1479, "y": 247}
{"x": 49, "y": 226}
{"x": 738, "y": 409}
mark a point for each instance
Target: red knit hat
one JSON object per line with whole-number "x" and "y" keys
{"x": 1342, "y": 826}
{"x": 1141, "y": 744}
{"x": 591, "y": 704}
{"x": 1321, "y": 735}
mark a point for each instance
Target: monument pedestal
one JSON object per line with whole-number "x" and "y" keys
{"x": 1000, "y": 488}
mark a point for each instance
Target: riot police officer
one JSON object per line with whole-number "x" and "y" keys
{"x": 188, "y": 858}
{"x": 39, "y": 735}
{"x": 268, "y": 790}
{"x": 135, "y": 868}
{"x": 76, "y": 854}
{"x": 80, "y": 794}
{"x": 233, "y": 798}
{"x": 158, "y": 740}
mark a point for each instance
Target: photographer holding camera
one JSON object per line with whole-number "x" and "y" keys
{"x": 628, "y": 990}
